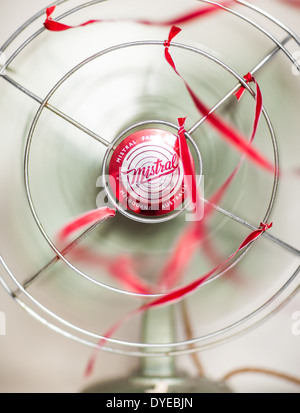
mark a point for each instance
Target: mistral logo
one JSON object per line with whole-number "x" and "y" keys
{"x": 2, "y": 324}
{"x": 146, "y": 176}
{"x": 296, "y": 323}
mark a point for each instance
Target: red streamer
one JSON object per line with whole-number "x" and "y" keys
{"x": 248, "y": 78}
{"x": 295, "y": 3}
{"x": 189, "y": 171}
{"x": 259, "y": 102}
{"x": 181, "y": 257}
{"x": 183, "y": 291}
{"x": 191, "y": 238}
{"x": 120, "y": 268}
{"x": 56, "y": 26}
{"x": 203, "y": 11}
{"x": 228, "y": 133}
{"x": 176, "y": 295}
{"x": 215, "y": 199}
{"x": 90, "y": 217}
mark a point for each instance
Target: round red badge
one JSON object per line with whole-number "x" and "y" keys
{"x": 146, "y": 173}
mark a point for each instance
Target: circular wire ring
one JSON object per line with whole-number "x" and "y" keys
{"x": 74, "y": 70}
{"x": 200, "y": 339}
{"x": 112, "y": 197}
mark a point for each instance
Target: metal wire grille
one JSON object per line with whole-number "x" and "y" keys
{"x": 19, "y": 289}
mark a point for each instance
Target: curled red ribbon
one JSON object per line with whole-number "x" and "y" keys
{"x": 295, "y": 3}
{"x": 259, "y": 102}
{"x": 215, "y": 199}
{"x": 121, "y": 268}
{"x": 203, "y": 11}
{"x": 189, "y": 239}
{"x": 189, "y": 171}
{"x": 177, "y": 294}
{"x": 183, "y": 291}
{"x": 248, "y": 78}
{"x": 178, "y": 262}
{"x": 55, "y": 26}
{"x": 225, "y": 130}
{"x": 90, "y": 217}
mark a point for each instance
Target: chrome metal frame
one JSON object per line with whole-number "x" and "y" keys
{"x": 37, "y": 309}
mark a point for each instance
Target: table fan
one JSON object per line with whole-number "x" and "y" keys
{"x": 105, "y": 108}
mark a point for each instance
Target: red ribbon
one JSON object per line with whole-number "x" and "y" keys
{"x": 248, "y": 78}
{"x": 55, "y": 26}
{"x": 176, "y": 266}
{"x": 259, "y": 103}
{"x": 192, "y": 236}
{"x": 215, "y": 199}
{"x": 228, "y": 133}
{"x": 120, "y": 268}
{"x": 173, "y": 32}
{"x": 177, "y": 294}
{"x": 203, "y": 11}
{"x": 90, "y": 217}
{"x": 295, "y": 3}
{"x": 189, "y": 171}
{"x": 183, "y": 291}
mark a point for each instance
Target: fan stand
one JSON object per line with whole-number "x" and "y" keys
{"x": 158, "y": 374}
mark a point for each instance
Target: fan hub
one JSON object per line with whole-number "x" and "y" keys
{"x": 146, "y": 173}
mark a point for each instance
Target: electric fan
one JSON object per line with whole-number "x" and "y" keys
{"x": 150, "y": 177}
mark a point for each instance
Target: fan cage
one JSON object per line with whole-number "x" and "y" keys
{"x": 89, "y": 338}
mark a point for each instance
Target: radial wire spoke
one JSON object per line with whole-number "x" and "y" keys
{"x": 65, "y": 251}
{"x": 221, "y": 210}
{"x": 260, "y": 28}
{"x": 57, "y": 111}
{"x": 260, "y": 65}
{"x": 87, "y": 232}
{"x": 246, "y": 224}
{"x": 272, "y": 19}
{"x": 106, "y": 143}
{"x": 26, "y": 24}
{"x": 42, "y": 29}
